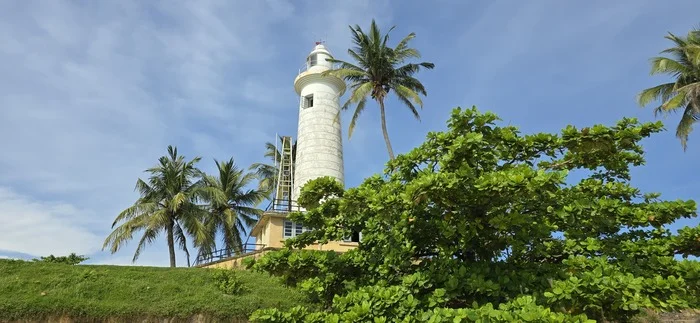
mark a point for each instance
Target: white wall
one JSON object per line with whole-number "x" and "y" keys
{"x": 319, "y": 141}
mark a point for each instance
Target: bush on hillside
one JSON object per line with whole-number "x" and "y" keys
{"x": 71, "y": 259}
{"x": 482, "y": 222}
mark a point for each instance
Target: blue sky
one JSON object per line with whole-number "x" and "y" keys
{"x": 91, "y": 93}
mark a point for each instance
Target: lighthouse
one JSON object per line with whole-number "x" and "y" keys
{"x": 319, "y": 149}
{"x": 319, "y": 153}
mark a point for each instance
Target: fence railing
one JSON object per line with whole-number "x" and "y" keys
{"x": 281, "y": 205}
{"x": 217, "y": 255}
{"x": 306, "y": 66}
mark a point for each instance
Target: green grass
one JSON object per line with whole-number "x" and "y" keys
{"x": 36, "y": 290}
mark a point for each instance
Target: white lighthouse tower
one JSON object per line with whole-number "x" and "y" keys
{"x": 319, "y": 149}
{"x": 319, "y": 153}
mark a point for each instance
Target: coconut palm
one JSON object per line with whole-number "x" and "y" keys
{"x": 167, "y": 203}
{"x": 267, "y": 173}
{"x": 684, "y": 92}
{"x": 231, "y": 206}
{"x": 379, "y": 69}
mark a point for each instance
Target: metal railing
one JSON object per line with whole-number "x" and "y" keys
{"x": 305, "y": 67}
{"x": 217, "y": 255}
{"x": 281, "y": 205}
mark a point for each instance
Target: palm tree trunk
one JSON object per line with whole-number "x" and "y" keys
{"x": 386, "y": 133}
{"x": 171, "y": 242}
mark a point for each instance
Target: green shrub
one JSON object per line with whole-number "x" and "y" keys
{"x": 229, "y": 282}
{"x": 482, "y": 214}
{"x": 71, "y": 259}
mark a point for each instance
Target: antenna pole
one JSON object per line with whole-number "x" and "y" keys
{"x": 275, "y": 183}
{"x": 276, "y": 135}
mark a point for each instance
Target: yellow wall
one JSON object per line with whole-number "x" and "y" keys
{"x": 275, "y": 233}
{"x": 274, "y": 238}
{"x": 271, "y": 237}
{"x": 235, "y": 262}
{"x": 340, "y": 246}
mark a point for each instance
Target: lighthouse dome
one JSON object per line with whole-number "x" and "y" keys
{"x": 316, "y": 61}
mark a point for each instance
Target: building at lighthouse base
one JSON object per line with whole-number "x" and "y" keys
{"x": 270, "y": 232}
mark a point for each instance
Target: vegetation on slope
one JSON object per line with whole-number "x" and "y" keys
{"x": 40, "y": 289}
{"x": 484, "y": 223}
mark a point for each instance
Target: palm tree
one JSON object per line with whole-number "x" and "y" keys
{"x": 684, "y": 92}
{"x": 267, "y": 173}
{"x": 167, "y": 203}
{"x": 378, "y": 70}
{"x": 231, "y": 206}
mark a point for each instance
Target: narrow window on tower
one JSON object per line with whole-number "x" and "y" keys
{"x": 312, "y": 60}
{"x": 309, "y": 101}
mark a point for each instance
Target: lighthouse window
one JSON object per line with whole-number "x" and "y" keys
{"x": 355, "y": 237}
{"x": 309, "y": 101}
{"x": 292, "y": 229}
{"x": 312, "y": 60}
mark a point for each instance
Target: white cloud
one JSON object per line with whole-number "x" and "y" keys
{"x": 41, "y": 228}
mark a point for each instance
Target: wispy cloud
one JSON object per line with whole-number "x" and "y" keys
{"x": 42, "y": 228}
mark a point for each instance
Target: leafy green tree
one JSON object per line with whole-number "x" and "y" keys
{"x": 71, "y": 259}
{"x": 167, "y": 204}
{"x": 684, "y": 92}
{"x": 267, "y": 173}
{"x": 481, "y": 222}
{"x": 377, "y": 71}
{"x": 231, "y": 206}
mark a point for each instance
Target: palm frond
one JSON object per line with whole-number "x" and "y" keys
{"x": 346, "y": 73}
{"x": 690, "y": 116}
{"x": 140, "y": 208}
{"x": 356, "y": 115}
{"x": 660, "y": 92}
{"x": 675, "y": 102}
{"x": 177, "y": 201}
{"x": 664, "y": 65}
{"x": 149, "y": 235}
{"x": 124, "y": 232}
{"x": 406, "y": 95}
{"x": 403, "y": 44}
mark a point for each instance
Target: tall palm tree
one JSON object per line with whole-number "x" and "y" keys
{"x": 267, "y": 173}
{"x": 379, "y": 69}
{"x": 167, "y": 203}
{"x": 231, "y": 206}
{"x": 684, "y": 92}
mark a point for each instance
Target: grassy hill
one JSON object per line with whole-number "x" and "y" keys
{"x": 34, "y": 290}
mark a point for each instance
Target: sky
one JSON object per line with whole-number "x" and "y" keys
{"x": 92, "y": 92}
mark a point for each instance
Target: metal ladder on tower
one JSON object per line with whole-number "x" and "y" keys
{"x": 285, "y": 177}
